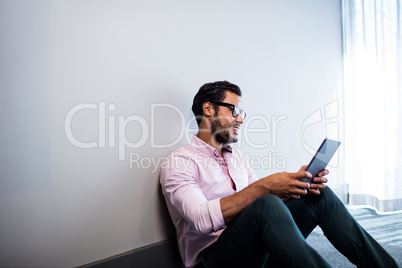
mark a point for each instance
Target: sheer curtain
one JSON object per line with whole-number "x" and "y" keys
{"x": 373, "y": 102}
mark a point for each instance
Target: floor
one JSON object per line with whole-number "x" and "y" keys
{"x": 386, "y": 229}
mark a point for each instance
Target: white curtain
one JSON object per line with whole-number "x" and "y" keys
{"x": 373, "y": 102}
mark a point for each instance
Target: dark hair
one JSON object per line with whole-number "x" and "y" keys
{"x": 213, "y": 92}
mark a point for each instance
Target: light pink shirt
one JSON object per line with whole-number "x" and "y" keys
{"x": 194, "y": 178}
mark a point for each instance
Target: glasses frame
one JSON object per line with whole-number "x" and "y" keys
{"x": 234, "y": 109}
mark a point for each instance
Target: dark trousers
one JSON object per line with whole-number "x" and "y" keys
{"x": 270, "y": 233}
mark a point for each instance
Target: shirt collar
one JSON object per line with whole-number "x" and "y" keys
{"x": 207, "y": 149}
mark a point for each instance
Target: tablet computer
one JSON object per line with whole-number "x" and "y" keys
{"x": 322, "y": 157}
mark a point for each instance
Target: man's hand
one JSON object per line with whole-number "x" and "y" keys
{"x": 318, "y": 181}
{"x": 287, "y": 185}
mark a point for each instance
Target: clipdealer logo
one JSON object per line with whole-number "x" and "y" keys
{"x": 111, "y": 132}
{"x": 119, "y": 126}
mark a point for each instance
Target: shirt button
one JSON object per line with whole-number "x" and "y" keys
{"x": 216, "y": 153}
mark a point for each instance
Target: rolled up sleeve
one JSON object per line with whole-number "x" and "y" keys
{"x": 215, "y": 212}
{"x": 178, "y": 179}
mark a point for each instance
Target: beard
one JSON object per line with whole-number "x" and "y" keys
{"x": 221, "y": 133}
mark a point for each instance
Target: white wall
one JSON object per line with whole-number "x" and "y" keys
{"x": 62, "y": 205}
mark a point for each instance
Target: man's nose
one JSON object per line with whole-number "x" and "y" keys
{"x": 239, "y": 119}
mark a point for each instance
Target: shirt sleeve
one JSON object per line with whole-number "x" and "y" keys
{"x": 178, "y": 179}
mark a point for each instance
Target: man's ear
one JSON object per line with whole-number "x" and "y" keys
{"x": 208, "y": 109}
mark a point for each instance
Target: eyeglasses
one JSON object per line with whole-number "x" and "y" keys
{"x": 236, "y": 111}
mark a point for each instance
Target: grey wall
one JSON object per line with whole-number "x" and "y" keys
{"x": 90, "y": 71}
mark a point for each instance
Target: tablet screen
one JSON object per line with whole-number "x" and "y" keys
{"x": 322, "y": 157}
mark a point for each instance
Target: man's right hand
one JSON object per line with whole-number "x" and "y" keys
{"x": 286, "y": 185}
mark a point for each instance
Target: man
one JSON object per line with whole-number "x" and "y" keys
{"x": 225, "y": 217}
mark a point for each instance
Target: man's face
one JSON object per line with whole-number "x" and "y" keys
{"x": 224, "y": 127}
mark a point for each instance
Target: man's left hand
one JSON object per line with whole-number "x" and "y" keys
{"x": 318, "y": 182}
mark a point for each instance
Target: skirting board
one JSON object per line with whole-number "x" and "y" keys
{"x": 162, "y": 254}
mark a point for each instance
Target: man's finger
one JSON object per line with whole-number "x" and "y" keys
{"x": 314, "y": 191}
{"x": 318, "y": 186}
{"x": 320, "y": 179}
{"x": 298, "y": 191}
{"x": 300, "y": 186}
{"x": 295, "y": 196}
{"x": 303, "y": 168}
{"x": 301, "y": 174}
{"x": 323, "y": 173}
